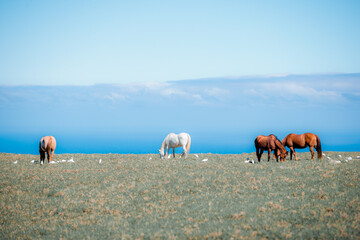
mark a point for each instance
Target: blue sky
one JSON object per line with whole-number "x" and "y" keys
{"x": 90, "y": 42}
{"x": 118, "y": 76}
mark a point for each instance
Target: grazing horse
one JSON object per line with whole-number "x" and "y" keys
{"x": 47, "y": 145}
{"x": 269, "y": 143}
{"x": 173, "y": 141}
{"x": 310, "y": 140}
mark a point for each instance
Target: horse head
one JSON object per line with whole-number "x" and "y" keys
{"x": 161, "y": 154}
{"x": 283, "y": 155}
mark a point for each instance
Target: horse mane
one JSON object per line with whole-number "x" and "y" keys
{"x": 277, "y": 141}
{"x": 163, "y": 145}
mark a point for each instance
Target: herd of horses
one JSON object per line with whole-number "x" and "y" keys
{"x": 263, "y": 143}
{"x": 292, "y": 141}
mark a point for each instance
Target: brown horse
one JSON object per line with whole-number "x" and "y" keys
{"x": 47, "y": 145}
{"x": 270, "y": 143}
{"x": 310, "y": 140}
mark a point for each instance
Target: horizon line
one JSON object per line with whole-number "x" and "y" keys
{"x": 234, "y": 77}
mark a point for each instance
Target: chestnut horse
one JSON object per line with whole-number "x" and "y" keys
{"x": 47, "y": 145}
{"x": 310, "y": 140}
{"x": 270, "y": 143}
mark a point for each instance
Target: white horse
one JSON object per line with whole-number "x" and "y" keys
{"x": 173, "y": 141}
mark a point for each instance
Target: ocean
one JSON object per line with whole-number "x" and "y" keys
{"x": 124, "y": 144}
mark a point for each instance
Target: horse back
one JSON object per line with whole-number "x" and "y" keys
{"x": 184, "y": 138}
{"x": 262, "y": 142}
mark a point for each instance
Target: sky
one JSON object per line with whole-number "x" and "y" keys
{"x": 118, "y": 76}
{"x": 91, "y": 42}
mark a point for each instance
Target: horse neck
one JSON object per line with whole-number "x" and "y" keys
{"x": 163, "y": 145}
{"x": 280, "y": 145}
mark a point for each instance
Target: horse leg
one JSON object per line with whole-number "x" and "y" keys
{"x": 269, "y": 154}
{"x": 293, "y": 150}
{"x": 48, "y": 155}
{"x": 167, "y": 152}
{"x": 291, "y": 153}
{"x": 174, "y": 152}
{"x": 184, "y": 152}
{"x": 51, "y": 155}
{"x": 258, "y": 154}
{"x": 276, "y": 156}
{"x": 312, "y": 152}
{"x": 42, "y": 157}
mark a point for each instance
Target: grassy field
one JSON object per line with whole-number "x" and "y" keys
{"x": 141, "y": 196}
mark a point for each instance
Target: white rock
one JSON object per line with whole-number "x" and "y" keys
{"x": 358, "y": 157}
{"x": 349, "y": 158}
{"x": 63, "y": 160}
{"x": 150, "y": 158}
{"x": 328, "y": 158}
{"x": 324, "y": 154}
{"x": 197, "y": 156}
{"x": 53, "y": 162}
{"x": 32, "y": 161}
{"x": 339, "y": 156}
{"x": 338, "y": 161}
{"x": 99, "y": 160}
{"x": 205, "y": 160}
{"x": 15, "y": 162}
{"x": 169, "y": 156}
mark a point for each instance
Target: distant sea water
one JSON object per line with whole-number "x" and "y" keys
{"x": 88, "y": 144}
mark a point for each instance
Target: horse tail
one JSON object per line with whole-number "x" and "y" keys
{"x": 318, "y": 147}
{"x": 256, "y": 142}
{"x": 188, "y": 144}
{"x": 43, "y": 145}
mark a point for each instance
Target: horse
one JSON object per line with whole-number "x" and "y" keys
{"x": 47, "y": 145}
{"x": 269, "y": 143}
{"x": 173, "y": 141}
{"x": 310, "y": 140}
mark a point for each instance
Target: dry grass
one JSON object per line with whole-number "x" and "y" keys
{"x": 130, "y": 196}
